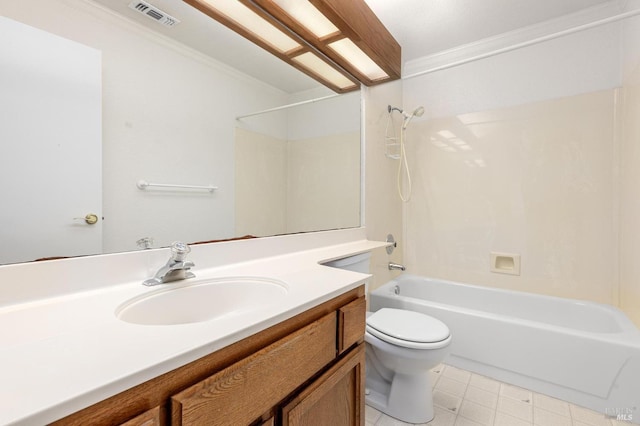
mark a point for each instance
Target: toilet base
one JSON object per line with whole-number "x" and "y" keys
{"x": 407, "y": 398}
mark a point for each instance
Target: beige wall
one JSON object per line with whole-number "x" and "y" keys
{"x": 288, "y": 186}
{"x": 383, "y": 208}
{"x": 630, "y": 174}
{"x": 534, "y": 180}
{"x": 261, "y": 183}
{"x": 323, "y": 185}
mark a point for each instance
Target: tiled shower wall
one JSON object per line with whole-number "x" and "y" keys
{"x": 535, "y": 153}
{"x": 534, "y": 180}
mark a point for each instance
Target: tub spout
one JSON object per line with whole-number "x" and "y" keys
{"x": 396, "y": 267}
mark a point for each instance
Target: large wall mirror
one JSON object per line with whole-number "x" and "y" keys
{"x": 170, "y": 106}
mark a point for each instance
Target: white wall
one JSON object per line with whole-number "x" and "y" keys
{"x": 579, "y": 63}
{"x": 168, "y": 116}
{"x": 333, "y": 116}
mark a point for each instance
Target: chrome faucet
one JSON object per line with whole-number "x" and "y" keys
{"x": 177, "y": 268}
{"x": 396, "y": 267}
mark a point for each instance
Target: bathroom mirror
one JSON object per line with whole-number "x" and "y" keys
{"x": 170, "y": 115}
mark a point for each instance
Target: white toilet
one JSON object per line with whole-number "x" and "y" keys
{"x": 401, "y": 347}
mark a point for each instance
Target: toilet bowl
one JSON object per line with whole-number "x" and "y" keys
{"x": 401, "y": 347}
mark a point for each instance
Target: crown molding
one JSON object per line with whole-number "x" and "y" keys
{"x": 109, "y": 16}
{"x": 511, "y": 38}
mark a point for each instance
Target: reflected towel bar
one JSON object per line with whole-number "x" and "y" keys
{"x": 143, "y": 184}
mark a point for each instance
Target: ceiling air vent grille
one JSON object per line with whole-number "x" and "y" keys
{"x": 154, "y": 13}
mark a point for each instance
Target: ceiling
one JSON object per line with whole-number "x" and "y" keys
{"x": 425, "y": 27}
{"x": 422, "y": 27}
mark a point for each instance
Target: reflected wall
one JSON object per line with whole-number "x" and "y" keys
{"x": 290, "y": 186}
{"x": 303, "y": 179}
{"x": 630, "y": 171}
{"x": 169, "y": 115}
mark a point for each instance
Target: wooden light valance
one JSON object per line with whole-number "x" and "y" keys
{"x": 340, "y": 43}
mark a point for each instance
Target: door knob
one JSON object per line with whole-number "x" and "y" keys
{"x": 90, "y": 218}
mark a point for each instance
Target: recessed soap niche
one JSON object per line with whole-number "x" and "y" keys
{"x": 505, "y": 263}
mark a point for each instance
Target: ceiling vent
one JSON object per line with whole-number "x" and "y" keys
{"x": 154, "y": 13}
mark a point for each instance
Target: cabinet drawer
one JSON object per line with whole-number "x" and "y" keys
{"x": 352, "y": 318}
{"x": 247, "y": 389}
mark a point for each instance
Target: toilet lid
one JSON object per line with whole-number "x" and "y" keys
{"x": 411, "y": 326}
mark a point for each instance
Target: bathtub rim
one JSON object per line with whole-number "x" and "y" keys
{"x": 627, "y": 327}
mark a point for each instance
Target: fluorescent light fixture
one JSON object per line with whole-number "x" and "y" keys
{"x": 321, "y": 68}
{"x": 308, "y": 16}
{"x": 340, "y": 43}
{"x": 352, "y": 53}
{"x": 250, "y": 21}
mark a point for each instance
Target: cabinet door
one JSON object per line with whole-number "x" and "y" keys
{"x": 336, "y": 398}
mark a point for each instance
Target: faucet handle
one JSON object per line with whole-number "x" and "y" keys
{"x": 179, "y": 251}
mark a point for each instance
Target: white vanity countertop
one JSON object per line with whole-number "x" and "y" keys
{"x": 62, "y": 352}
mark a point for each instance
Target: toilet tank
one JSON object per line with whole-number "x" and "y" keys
{"x": 357, "y": 263}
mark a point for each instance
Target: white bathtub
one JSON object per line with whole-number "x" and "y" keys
{"x": 582, "y": 352}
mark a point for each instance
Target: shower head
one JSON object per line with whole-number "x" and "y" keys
{"x": 418, "y": 112}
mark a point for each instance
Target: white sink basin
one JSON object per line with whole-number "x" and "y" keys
{"x": 195, "y": 301}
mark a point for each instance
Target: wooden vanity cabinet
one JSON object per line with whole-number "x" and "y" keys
{"x": 306, "y": 370}
{"x": 241, "y": 393}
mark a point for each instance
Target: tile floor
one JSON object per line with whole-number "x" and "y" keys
{"x": 462, "y": 398}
